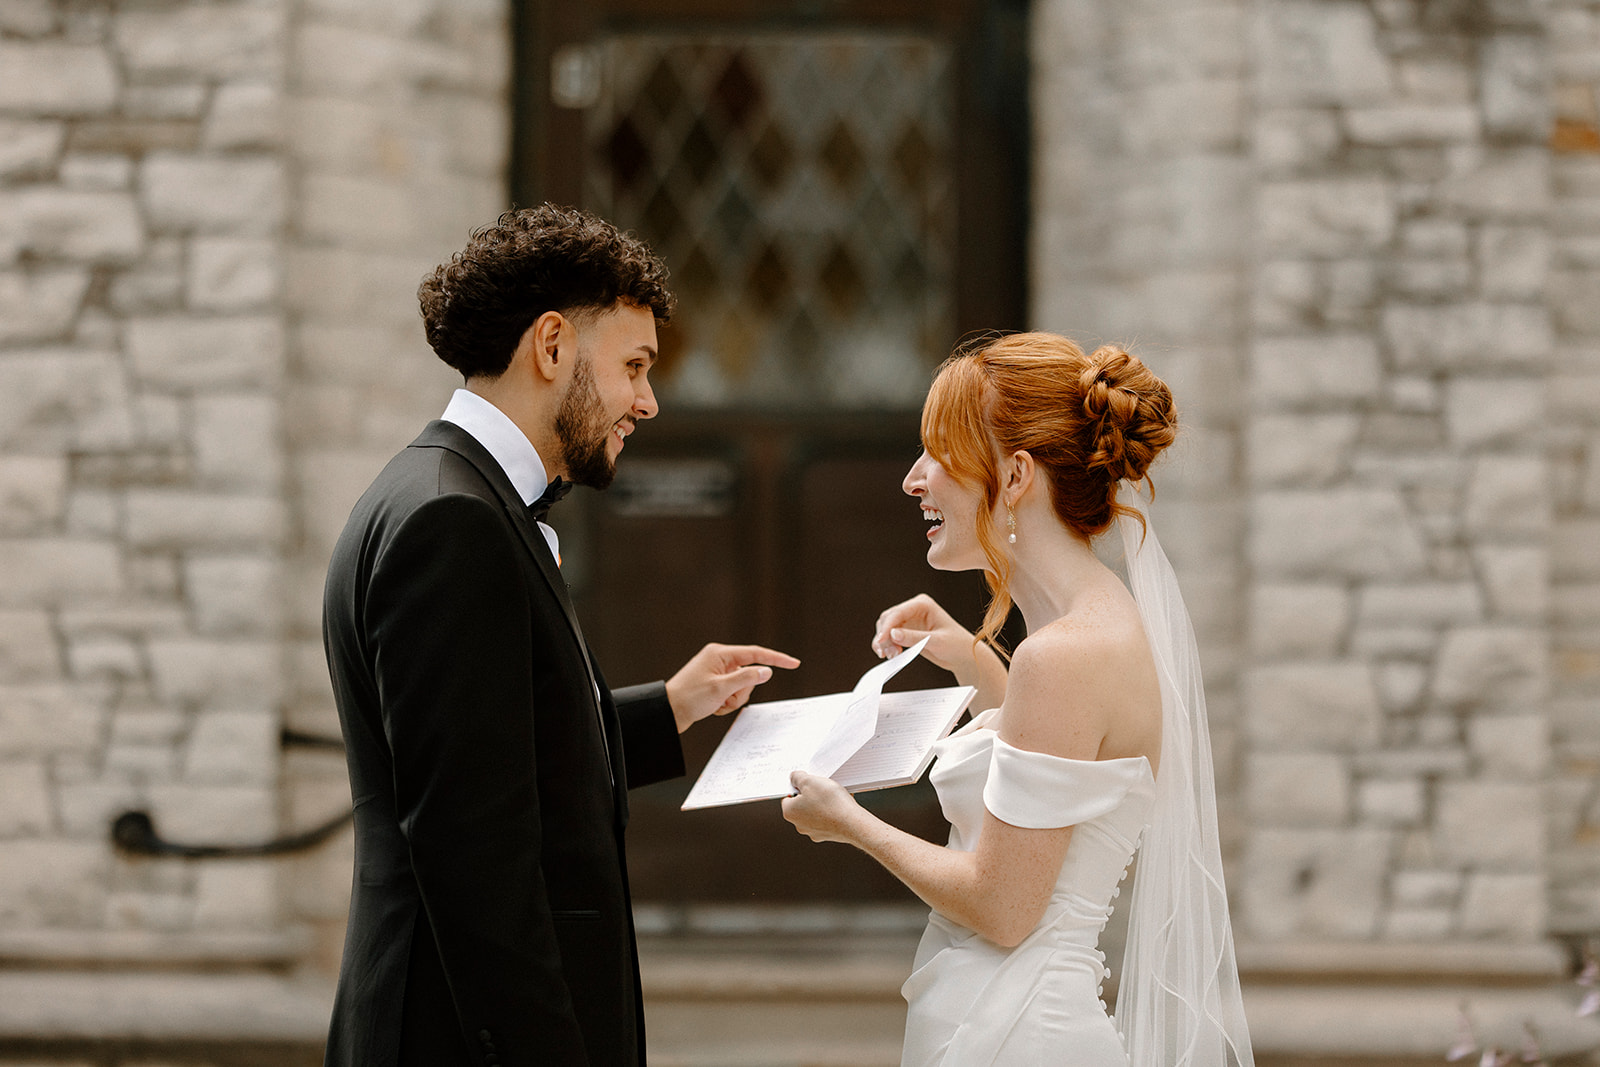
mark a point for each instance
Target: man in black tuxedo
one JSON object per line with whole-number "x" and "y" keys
{"x": 489, "y": 764}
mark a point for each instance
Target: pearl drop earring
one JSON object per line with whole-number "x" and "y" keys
{"x": 1011, "y": 525}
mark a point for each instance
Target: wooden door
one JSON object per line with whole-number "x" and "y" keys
{"x": 839, "y": 191}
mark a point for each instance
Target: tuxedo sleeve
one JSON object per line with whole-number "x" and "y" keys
{"x": 650, "y": 746}
{"x": 449, "y": 627}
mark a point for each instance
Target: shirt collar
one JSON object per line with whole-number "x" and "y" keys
{"x": 510, "y": 447}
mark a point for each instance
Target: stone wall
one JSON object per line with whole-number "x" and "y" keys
{"x": 397, "y": 140}
{"x": 1400, "y": 504}
{"x": 1573, "y": 397}
{"x": 143, "y": 207}
{"x": 213, "y": 218}
{"x": 1141, "y": 209}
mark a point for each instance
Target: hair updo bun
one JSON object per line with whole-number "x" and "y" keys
{"x": 1128, "y": 413}
{"x": 1090, "y": 422}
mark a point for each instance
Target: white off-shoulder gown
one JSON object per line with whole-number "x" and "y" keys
{"x": 975, "y": 1004}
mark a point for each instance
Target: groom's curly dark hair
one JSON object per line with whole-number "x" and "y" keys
{"x": 476, "y": 307}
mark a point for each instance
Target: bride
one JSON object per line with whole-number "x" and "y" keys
{"x": 1094, "y": 739}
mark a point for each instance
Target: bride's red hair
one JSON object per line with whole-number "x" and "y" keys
{"x": 1089, "y": 422}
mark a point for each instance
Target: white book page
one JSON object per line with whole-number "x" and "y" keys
{"x": 859, "y": 722}
{"x": 908, "y": 725}
{"x": 765, "y": 743}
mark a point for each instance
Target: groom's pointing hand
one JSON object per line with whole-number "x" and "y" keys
{"x": 718, "y": 679}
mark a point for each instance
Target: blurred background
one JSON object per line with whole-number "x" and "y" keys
{"x": 1359, "y": 238}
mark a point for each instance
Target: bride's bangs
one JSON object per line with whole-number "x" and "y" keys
{"x": 953, "y": 428}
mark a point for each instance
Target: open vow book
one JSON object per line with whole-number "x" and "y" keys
{"x": 863, "y": 739}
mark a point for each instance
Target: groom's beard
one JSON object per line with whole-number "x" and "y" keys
{"x": 583, "y": 431}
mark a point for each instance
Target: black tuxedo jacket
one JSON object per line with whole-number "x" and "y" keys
{"x": 489, "y": 919}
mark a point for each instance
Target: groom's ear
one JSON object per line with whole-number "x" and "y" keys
{"x": 547, "y": 341}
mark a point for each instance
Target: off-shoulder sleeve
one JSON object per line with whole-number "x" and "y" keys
{"x": 1038, "y": 791}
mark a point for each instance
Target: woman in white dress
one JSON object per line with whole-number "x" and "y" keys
{"x": 1093, "y": 740}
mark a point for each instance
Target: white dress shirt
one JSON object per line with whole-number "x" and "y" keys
{"x": 510, "y": 447}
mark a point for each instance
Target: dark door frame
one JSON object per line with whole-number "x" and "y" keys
{"x": 993, "y": 127}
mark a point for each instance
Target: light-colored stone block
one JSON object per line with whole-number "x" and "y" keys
{"x": 1297, "y": 789}
{"x": 1513, "y": 261}
{"x": 41, "y": 719}
{"x": 1507, "y": 183}
{"x": 1427, "y": 603}
{"x": 58, "y": 399}
{"x": 1391, "y": 801}
{"x": 1337, "y": 533}
{"x": 28, "y": 650}
{"x": 1321, "y": 706}
{"x": 166, "y": 912}
{"x": 56, "y": 78}
{"x": 359, "y": 212}
{"x": 181, "y": 352}
{"x": 106, "y": 656}
{"x": 40, "y": 305}
{"x": 180, "y": 101}
{"x": 1484, "y": 411}
{"x": 1468, "y": 336}
{"x": 1301, "y": 451}
{"x": 213, "y": 194}
{"x": 1313, "y": 883}
{"x": 176, "y": 519}
{"x": 1489, "y": 824}
{"x": 232, "y": 274}
{"x": 1509, "y": 496}
{"x": 1410, "y": 124}
{"x": 1510, "y": 746}
{"x": 217, "y": 673}
{"x": 87, "y": 809}
{"x": 214, "y": 814}
{"x": 107, "y": 171}
{"x": 1515, "y": 80}
{"x": 212, "y": 40}
{"x": 1496, "y": 666}
{"x": 1504, "y": 905}
{"x": 1400, "y": 684}
{"x": 28, "y": 148}
{"x": 52, "y": 882}
{"x": 238, "y": 442}
{"x": 72, "y": 225}
{"x": 1418, "y": 924}
{"x": 24, "y": 798}
{"x": 235, "y": 594}
{"x": 237, "y": 894}
{"x": 1306, "y": 621}
{"x": 247, "y": 114}
{"x": 1325, "y": 217}
{"x": 1436, "y": 888}
{"x": 32, "y": 493}
{"x": 42, "y": 571}
{"x": 1321, "y": 53}
{"x": 232, "y": 748}
{"x": 29, "y": 18}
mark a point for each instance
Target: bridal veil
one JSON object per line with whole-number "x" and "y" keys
{"x": 1178, "y": 1000}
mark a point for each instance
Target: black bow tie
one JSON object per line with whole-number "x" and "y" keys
{"x": 552, "y": 493}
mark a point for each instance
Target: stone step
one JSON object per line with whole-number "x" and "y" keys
{"x": 834, "y": 1002}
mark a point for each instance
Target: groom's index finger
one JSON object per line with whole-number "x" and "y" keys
{"x": 750, "y": 655}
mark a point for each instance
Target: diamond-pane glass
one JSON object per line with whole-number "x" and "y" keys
{"x": 799, "y": 187}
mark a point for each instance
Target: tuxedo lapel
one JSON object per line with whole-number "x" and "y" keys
{"x": 440, "y": 434}
{"x": 447, "y": 435}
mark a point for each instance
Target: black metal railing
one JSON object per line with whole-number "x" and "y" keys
{"x": 135, "y": 833}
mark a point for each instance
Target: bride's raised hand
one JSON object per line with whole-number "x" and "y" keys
{"x": 900, "y": 627}
{"x": 821, "y": 808}
{"x": 950, "y": 645}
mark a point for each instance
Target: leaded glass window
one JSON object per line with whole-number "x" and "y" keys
{"x": 800, "y": 188}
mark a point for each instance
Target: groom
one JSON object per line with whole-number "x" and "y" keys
{"x": 489, "y": 763}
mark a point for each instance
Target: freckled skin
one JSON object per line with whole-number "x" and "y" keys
{"x": 1082, "y": 686}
